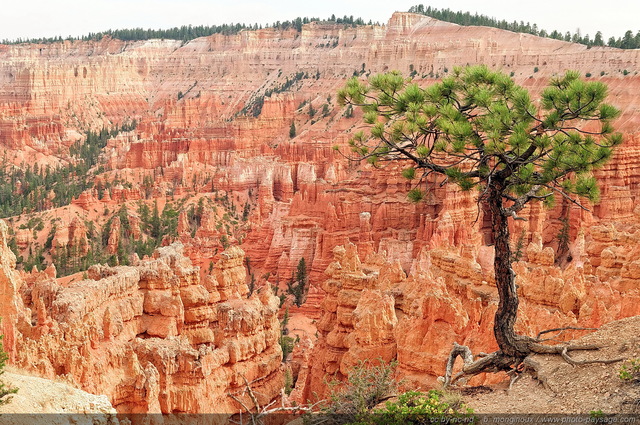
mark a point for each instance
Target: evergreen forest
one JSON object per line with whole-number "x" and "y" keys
{"x": 628, "y": 41}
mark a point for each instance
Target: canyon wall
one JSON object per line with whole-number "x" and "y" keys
{"x": 195, "y": 103}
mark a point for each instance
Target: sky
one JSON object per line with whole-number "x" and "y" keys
{"x": 49, "y": 18}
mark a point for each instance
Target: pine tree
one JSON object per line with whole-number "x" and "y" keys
{"x": 298, "y": 284}
{"x": 479, "y": 130}
{"x": 292, "y": 130}
{"x": 301, "y": 272}
{"x": 598, "y": 41}
{"x": 155, "y": 223}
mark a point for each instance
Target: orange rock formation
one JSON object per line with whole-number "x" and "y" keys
{"x": 153, "y": 338}
{"x": 372, "y": 310}
{"x": 309, "y": 200}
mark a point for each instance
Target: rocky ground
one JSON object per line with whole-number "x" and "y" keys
{"x": 565, "y": 389}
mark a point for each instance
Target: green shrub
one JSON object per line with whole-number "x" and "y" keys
{"x": 414, "y": 407}
{"x": 368, "y": 385}
{"x": 286, "y": 343}
{"x": 288, "y": 382}
{"x": 630, "y": 371}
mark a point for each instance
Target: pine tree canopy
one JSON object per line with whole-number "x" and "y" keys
{"x": 480, "y": 129}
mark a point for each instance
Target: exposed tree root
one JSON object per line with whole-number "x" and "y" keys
{"x": 560, "y": 331}
{"x": 494, "y": 362}
{"x": 515, "y": 377}
{"x": 533, "y": 367}
{"x": 573, "y": 362}
{"x": 515, "y": 365}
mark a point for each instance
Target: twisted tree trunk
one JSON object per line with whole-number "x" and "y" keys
{"x": 510, "y": 343}
{"x": 514, "y": 348}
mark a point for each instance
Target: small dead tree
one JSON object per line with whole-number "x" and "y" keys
{"x": 254, "y": 413}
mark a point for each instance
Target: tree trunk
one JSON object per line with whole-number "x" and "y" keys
{"x": 509, "y": 342}
{"x": 514, "y": 348}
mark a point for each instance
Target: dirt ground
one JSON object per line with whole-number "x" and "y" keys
{"x": 562, "y": 388}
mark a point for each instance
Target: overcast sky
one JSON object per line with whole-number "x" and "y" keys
{"x": 48, "y": 18}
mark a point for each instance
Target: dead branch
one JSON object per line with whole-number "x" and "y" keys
{"x": 258, "y": 412}
{"x": 493, "y": 362}
{"x": 458, "y": 350}
{"x": 251, "y": 394}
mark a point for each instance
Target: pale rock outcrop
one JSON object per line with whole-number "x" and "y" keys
{"x": 42, "y": 401}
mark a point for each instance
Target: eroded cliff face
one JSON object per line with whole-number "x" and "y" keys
{"x": 219, "y": 109}
{"x": 153, "y": 337}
